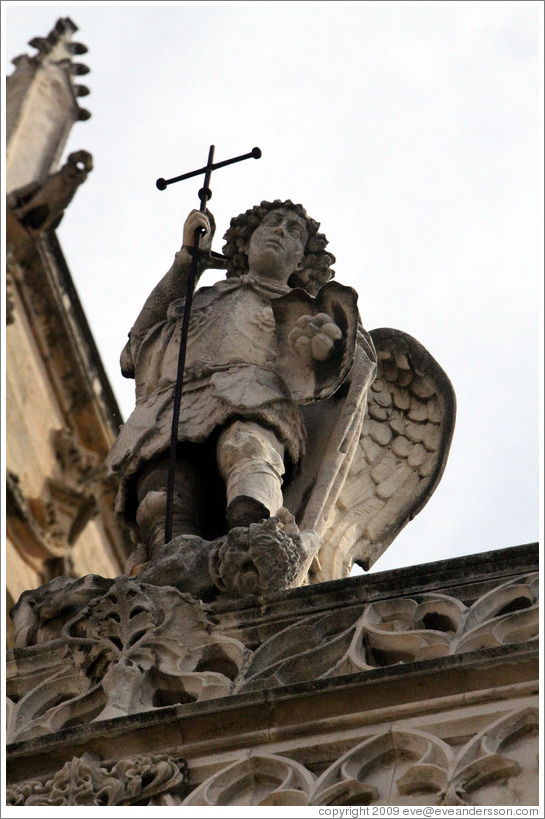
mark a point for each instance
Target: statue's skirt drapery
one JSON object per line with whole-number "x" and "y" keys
{"x": 207, "y": 405}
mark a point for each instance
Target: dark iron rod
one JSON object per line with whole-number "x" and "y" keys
{"x": 204, "y": 195}
{"x": 255, "y": 153}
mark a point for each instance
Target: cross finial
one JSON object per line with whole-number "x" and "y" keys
{"x": 205, "y": 192}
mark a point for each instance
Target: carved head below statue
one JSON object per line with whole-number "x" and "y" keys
{"x": 315, "y": 267}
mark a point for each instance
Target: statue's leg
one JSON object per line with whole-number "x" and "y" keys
{"x": 187, "y": 507}
{"x": 251, "y": 463}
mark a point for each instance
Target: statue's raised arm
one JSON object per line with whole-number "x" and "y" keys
{"x": 278, "y": 375}
{"x": 172, "y": 285}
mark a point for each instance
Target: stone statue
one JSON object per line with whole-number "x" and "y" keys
{"x": 274, "y": 429}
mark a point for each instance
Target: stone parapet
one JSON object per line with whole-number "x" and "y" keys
{"x": 411, "y": 687}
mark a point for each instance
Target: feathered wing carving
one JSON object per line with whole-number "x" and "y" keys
{"x": 399, "y": 457}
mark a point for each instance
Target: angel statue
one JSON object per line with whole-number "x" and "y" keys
{"x": 305, "y": 443}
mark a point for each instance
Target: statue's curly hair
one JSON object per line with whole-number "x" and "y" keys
{"x": 316, "y": 270}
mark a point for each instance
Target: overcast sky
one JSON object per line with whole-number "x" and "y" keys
{"x": 412, "y": 132}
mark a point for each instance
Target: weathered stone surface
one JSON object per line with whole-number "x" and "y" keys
{"x": 59, "y": 501}
{"x": 41, "y": 207}
{"x": 61, "y": 415}
{"x": 278, "y": 378}
{"x": 394, "y": 767}
{"x": 264, "y": 557}
{"x": 260, "y": 780}
{"x": 398, "y": 630}
{"x": 202, "y": 678}
{"x": 129, "y": 646}
{"x": 86, "y": 780}
{"x": 418, "y": 687}
{"x": 42, "y": 105}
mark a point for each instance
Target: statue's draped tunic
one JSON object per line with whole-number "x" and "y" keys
{"x": 230, "y": 373}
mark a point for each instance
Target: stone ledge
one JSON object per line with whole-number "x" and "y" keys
{"x": 243, "y": 720}
{"x": 478, "y": 570}
{"x": 275, "y": 611}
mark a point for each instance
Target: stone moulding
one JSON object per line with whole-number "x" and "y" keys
{"x": 393, "y": 767}
{"x": 435, "y": 774}
{"x": 427, "y": 668}
{"x": 396, "y": 630}
{"x": 128, "y": 647}
{"x": 396, "y": 767}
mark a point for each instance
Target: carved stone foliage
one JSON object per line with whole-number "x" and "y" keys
{"x": 133, "y": 648}
{"x": 85, "y": 780}
{"x": 387, "y": 632}
{"x": 403, "y": 767}
{"x": 498, "y": 766}
{"x": 125, "y": 646}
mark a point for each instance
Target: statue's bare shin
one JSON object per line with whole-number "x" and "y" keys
{"x": 251, "y": 463}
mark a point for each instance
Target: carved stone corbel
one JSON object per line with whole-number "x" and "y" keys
{"x": 50, "y": 523}
{"x": 40, "y": 207}
{"x": 70, "y": 496}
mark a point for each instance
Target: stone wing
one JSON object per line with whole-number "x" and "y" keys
{"x": 400, "y": 456}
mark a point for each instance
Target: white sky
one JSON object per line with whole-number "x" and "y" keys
{"x": 412, "y": 132}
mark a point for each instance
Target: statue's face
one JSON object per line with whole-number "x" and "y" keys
{"x": 277, "y": 245}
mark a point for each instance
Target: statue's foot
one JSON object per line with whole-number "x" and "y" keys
{"x": 244, "y": 510}
{"x": 182, "y": 563}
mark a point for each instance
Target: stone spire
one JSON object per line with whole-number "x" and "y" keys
{"x": 42, "y": 105}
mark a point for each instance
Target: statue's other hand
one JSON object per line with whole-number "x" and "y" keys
{"x": 314, "y": 337}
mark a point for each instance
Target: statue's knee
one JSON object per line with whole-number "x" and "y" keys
{"x": 239, "y": 443}
{"x": 247, "y": 443}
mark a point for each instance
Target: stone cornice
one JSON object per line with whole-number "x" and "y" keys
{"x": 464, "y": 577}
{"x": 248, "y": 720}
{"x": 413, "y": 661}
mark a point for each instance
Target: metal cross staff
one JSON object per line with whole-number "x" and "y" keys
{"x": 204, "y": 195}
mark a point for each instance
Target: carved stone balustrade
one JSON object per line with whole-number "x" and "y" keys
{"x": 413, "y": 687}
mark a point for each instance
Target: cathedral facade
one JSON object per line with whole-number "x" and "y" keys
{"x": 417, "y": 687}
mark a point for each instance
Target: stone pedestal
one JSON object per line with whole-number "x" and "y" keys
{"x": 414, "y": 687}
